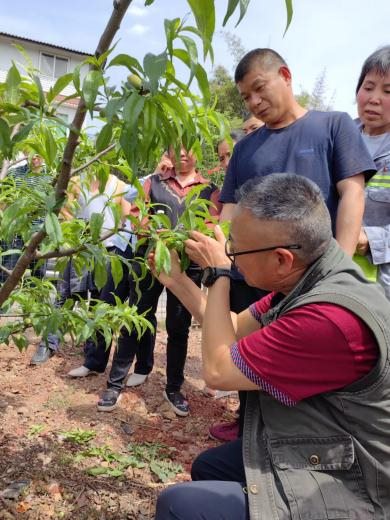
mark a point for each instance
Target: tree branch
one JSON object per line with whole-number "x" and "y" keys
{"x": 5, "y": 270}
{"x": 91, "y": 161}
{"x": 73, "y": 250}
{"x": 94, "y": 159}
{"x": 120, "y": 8}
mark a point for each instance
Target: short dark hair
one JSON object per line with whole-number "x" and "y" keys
{"x": 267, "y": 58}
{"x": 297, "y": 203}
{"x": 378, "y": 61}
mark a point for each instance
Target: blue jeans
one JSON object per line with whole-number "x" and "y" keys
{"x": 216, "y": 493}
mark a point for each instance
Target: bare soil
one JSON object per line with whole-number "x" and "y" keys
{"x": 38, "y": 405}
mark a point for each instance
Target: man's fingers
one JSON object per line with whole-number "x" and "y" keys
{"x": 218, "y": 233}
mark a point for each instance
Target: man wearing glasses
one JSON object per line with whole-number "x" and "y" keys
{"x": 313, "y": 356}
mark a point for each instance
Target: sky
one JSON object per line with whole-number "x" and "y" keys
{"x": 335, "y": 35}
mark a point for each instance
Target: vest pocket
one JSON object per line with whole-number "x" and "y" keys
{"x": 321, "y": 478}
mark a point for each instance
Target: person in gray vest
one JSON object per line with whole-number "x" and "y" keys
{"x": 313, "y": 356}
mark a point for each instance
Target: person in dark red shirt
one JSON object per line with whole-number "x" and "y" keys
{"x": 167, "y": 191}
{"x": 285, "y": 345}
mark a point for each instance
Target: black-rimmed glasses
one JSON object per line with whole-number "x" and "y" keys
{"x": 231, "y": 254}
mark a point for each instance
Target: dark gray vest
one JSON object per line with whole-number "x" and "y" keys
{"x": 329, "y": 456}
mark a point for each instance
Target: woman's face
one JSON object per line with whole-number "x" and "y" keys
{"x": 187, "y": 160}
{"x": 373, "y": 100}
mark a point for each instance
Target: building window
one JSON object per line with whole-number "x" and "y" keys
{"x": 53, "y": 66}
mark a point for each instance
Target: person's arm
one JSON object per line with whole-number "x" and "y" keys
{"x": 119, "y": 198}
{"x": 218, "y": 336}
{"x": 350, "y": 212}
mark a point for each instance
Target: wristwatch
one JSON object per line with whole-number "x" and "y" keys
{"x": 211, "y": 274}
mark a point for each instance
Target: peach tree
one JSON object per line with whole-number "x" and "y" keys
{"x": 152, "y": 109}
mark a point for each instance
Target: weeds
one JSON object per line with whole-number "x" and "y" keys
{"x": 140, "y": 455}
{"x": 34, "y": 430}
{"x": 78, "y": 436}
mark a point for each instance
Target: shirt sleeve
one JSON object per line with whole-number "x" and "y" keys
{"x": 312, "y": 349}
{"x": 229, "y": 183}
{"x": 350, "y": 154}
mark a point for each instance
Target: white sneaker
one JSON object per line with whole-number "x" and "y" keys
{"x": 136, "y": 379}
{"x": 79, "y": 372}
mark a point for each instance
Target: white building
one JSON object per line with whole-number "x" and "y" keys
{"x": 50, "y": 60}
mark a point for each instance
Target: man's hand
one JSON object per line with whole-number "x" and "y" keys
{"x": 206, "y": 251}
{"x": 175, "y": 276}
{"x": 363, "y": 244}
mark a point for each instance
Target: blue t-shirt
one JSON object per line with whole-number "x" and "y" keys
{"x": 325, "y": 147}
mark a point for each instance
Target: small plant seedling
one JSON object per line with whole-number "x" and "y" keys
{"x": 79, "y": 436}
{"x": 35, "y": 429}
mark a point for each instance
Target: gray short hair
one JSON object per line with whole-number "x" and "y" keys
{"x": 378, "y": 61}
{"x": 295, "y": 201}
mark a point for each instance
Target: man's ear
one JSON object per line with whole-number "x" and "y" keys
{"x": 285, "y": 73}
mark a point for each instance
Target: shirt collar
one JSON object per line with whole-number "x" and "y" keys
{"x": 171, "y": 174}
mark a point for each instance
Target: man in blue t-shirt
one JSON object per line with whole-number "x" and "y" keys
{"x": 325, "y": 147}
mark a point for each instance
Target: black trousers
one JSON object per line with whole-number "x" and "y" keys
{"x": 97, "y": 354}
{"x": 216, "y": 493}
{"x": 178, "y": 321}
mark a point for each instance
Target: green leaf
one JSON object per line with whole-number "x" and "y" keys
{"x": 5, "y": 138}
{"x": 50, "y": 147}
{"x": 76, "y": 78}
{"x": 162, "y": 257}
{"x": 289, "y": 9}
{"x": 41, "y": 95}
{"x": 204, "y": 13}
{"x": 12, "y": 83}
{"x": 113, "y": 107}
{"x": 23, "y": 133}
{"x": 155, "y": 66}
{"x": 104, "y": 137}
{"x": 192, "y": 53}
{"x": 59, "y": 86}
{"x": 148, "y": 2}
{"x": 20, "y": 341}
{"x": 100, "y": 274}
{"x": 150, "y": 123}
{"x": 132, "y": 109}
{"x": 99, "y": 470}
{"x": 232, "y": 7}
{"x": 171, "y": 28}
{"x": 96, "y": 223}
{"x": 116, "y": 270}
{"x": 201, "y": 77}
{"x": 127, "y": 61}
{"x": 53, "y": 228}
{"x": 92, "y": 81}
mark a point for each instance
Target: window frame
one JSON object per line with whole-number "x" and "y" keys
{"x": 55, "y": 56}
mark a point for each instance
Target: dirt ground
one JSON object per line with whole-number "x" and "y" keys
{"x": 51, "y": 435}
